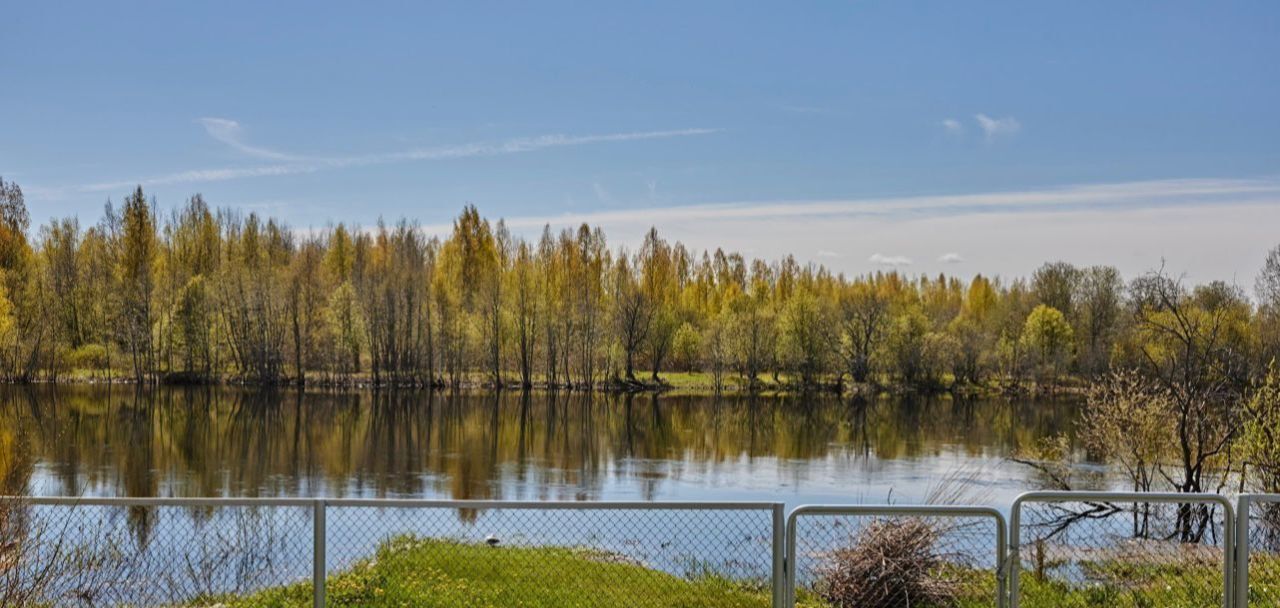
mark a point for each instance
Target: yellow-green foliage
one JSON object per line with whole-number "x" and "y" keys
{"x": 89, "y": 356}
{"x": 1047, "y": 336}
{"x": 1261, "y": 437}
{"x": 205, "y": 295}
{"x": 6, "y": 318}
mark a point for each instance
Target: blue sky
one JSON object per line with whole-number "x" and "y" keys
{"x": 926, "y": 136}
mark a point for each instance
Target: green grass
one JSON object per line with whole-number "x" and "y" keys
{"x": 413, "y": 572}
{"x": 1126, "y": 584}
{"x": 409, "y": 571}
{"x": 1136, "y": 593}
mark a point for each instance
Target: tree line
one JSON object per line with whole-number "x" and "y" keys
{"x": 199, "y": 294}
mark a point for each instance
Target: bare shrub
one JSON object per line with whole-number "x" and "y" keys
{"x": 46, "y": 562}
{"x": 44, "y": 559}
{"x": 237, "y": 554}
{"x": 891, "y": 563}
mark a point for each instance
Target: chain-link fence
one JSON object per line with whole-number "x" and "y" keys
{"x": 552, "y": 554}
{"x": 175, "y": 552}
{"x": 87, "y": 552}
{"x": 1065, "y": 549}
{"x": 895, "y": 556}
{"x": 1121, "y": 549}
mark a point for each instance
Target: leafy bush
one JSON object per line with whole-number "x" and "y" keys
{"x": 89, "y": 356}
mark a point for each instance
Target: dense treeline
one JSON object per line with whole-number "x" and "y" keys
{"x": 200, "y": 294}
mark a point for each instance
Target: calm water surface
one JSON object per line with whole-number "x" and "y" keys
{"x": 86, "y": 440}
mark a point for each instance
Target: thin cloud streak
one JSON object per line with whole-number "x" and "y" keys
{"x": 230, "y": 133}
{"x": 1210, "y": 228}
{"x": 889, "y": 260}
{"x": 518, "y": 145}
{"x": 997, "y": 127}
{"x": 201, "y": 175}
{"x": 1145, "y": 194}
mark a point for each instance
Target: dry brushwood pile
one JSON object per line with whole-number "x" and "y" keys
{"x": 891, "y": 563}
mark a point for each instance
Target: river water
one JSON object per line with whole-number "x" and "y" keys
{"x": 221, "y": 441}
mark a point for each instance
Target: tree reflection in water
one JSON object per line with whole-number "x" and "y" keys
{"x": 212, "y": 441}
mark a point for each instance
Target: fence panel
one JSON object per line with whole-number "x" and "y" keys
{"x": 895, "y": 556}
{"x": 1121, "y": 549}
{"x": 552, "y": 553}
{"x": 1258, "y": 558}
{"x": 1066, "y": 548}
{"x": 150, "y": 552}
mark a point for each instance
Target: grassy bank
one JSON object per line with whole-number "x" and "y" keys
{"x": 1124, "y": 584}
{"x": 408, "y": 571}
{"x": 444, "y": 574}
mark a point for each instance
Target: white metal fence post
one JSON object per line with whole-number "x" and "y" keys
{"x": 318, "y": 554}
{"x": 780, "y": 579}
{"x": 1231, "y": 541}
{"x": 1244, "y": 507}
{"x": 1013, "y": 555}
{"x": 1242, "y": 551}
{"x": 789, "y": 562}
{"x": 1002, "y": 557}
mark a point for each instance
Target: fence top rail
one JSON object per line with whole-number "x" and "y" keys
{"x": 121, "y": 501}
{"x": 1228, "y": 510}
{"x": 892, "y": 510}
{"x": 581, "y": 505}
{"x": 1260, "y": 497}
{"x": 1142, "y": 497}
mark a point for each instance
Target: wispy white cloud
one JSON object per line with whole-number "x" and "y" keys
{"x": 953, "y": 126}
{"x": 519, "y": 144}
{"x": 993, "y": 128}
{"x": 229, "y": 132}
{"x": 889, "y": 260}
{"x": 200, "y": 175}
{"x": 1143, "y": 194}
{"x": 827, "y": 254}
{"x": 950, "y": 258}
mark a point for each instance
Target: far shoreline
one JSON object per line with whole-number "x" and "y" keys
{"x": 671, "y": 383}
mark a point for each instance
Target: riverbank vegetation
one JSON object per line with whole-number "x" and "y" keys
{"x": 420, "y": 572}
{"x": 196, "y": 294}
{"x": 410, "y": 571}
